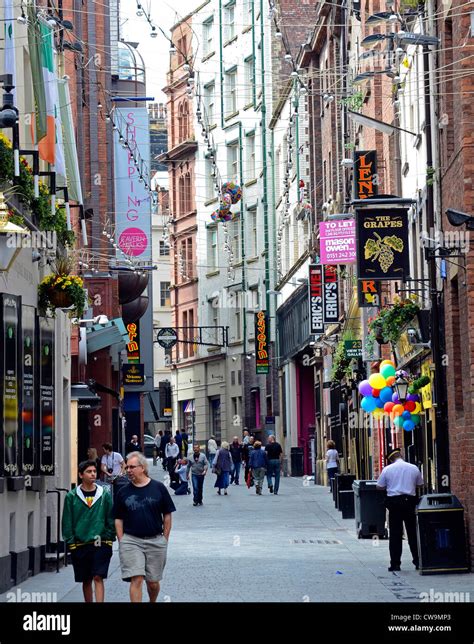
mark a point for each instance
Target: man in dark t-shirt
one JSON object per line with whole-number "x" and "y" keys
{"x": 142, "y": 513}
{"x": 274, "y": 454}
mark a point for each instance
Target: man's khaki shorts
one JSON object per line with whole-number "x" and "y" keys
{"x": 143, "y": 557}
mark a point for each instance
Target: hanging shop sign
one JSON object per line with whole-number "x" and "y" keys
{"x": 261, "y": 342}
{"x": 133, "y": 347}
{"x": 426, "y": 394}
{"x": 167, "y": 338}
{"x": 133, "y": 374}
{"x": 46, "y": 439}
{"x": 365, "y": 174}
{"x": 316, "y": 319}
{"x": 353, "y": 348}
{"x": 330, "y": 295}
{"x": 29, "y": 413}
{"x": 337, "y": 242}
{"x": 368, "y": 293}
{"x": 10, "y": 384}
{"x": 382, "y": 243}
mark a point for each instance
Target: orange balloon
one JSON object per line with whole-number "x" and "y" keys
{"x": 390, "y": 380}
{"x": 398, "y": 410}
{"x": 384, "y": 362}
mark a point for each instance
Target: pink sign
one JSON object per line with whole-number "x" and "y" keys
{"x": 337, "y": 241}
{"x": 133, "y": 241}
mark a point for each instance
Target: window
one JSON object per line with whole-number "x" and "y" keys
{"x": 278, "y": 187}
{"x": 247, "y": 12}
{"x": 250, "y": 157}
{"x": 238, "y": 325}
{"x": 210, "y": 194}
{"x": 208, "y": 28}
{"x": 209, "y": 98}
{"x": 232, "y": 162}
{"x": 239, "y": 377}
{"x": 229, "y": 22}
{"x": 188, "y": 259}
{"x": 165, "y": 298}
{"x": 183, "y": 121}
{"x": 249, "y": 80}
{"x": 232, "y": 377}
{"x": 252, "y": 232}
{"x": 185, "y": 334}
{"x": 212, "y": 249}
{"x": 191, "y": 331}
{"x": 164, "y": 248}
{"x": 231, "y": 91}
{"x": 182, "y": 47}
{"x": 235, "y": 239}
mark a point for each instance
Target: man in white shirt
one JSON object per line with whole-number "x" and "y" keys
{"x": 171, "y": 453}
{"x": 400, "y": 480}
{"x": 112, "y": 463}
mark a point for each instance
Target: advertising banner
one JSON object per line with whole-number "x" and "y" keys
{"x": 132, "y": 201}
{"x": 316, "y": 319}
{"x": 337, "y": 242}
{"x": 29, "y": 398}
{"x": 368, "y": 293}
{"x": 261, "y": 342}
{"x": 353, "y": 348}
{"x": 382, "y": 244}
{"x": 10, "y": 384}
{"x": 330, "y": 295}
{"x": 133, "y": 347}
{"x": 133, "y": 374}
{"x": 365, "y": 174}
{"x": 46, "y": 438}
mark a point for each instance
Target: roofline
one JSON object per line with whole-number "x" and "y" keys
{"x": 189, "y": 15}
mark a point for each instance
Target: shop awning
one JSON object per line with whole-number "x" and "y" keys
{"x": 85, "y": 397}
{"x": 101, "y": 336}
{"x": 189, "y": 407}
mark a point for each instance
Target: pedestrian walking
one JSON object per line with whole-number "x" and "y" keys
{"x": 274, "y": 454}
{"x": 400, "y": 480}
{"x": 236, "y": 454}
{"x": 258, "y": 465}
{"x": 93, "y": 456}
{"x": 246, "y": 437}
{"x": 163, "y": 443}
{"x": 180, "y": 485}
{"x": 332, "y": 460}
{"x": 184, "y": 435}
{"x": 211, "y": 450}
{"x": 246, "y": 451}
{"x": 133, "y": 445}
{"x": 88, "y": 529}
{"x": 179, "y": 441}
{"x": 142, "y": 512}
{"x": 172, "y": 453}
{"x": 157, "y": 441}
{"x": 112, "y": 463}
{"x": 222, "y": 467}
{"x": 197, "y": 467}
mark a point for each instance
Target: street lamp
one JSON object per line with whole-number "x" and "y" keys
{"x": 11, "y": 237}
{"x": 401, "y": 387}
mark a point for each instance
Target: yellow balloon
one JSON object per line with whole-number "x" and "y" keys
{"x": 417, "y": 409}
{"x": 377, "y": 381}
{"x": 378, "y": 414}
{"x": 384, "y": 362}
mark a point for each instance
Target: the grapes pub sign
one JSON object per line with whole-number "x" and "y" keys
{"x": 382, "y": 243}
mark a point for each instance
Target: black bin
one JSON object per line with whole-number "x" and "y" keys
{"x": 344, "y": 483}
{"x": 369, "y": 505}
{"x": 297, "y": 457}
{"x": 441, "y": 534}
{"x": 346, "y": 503}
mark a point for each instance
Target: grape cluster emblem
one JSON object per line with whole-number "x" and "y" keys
{"x": 382, "y": 249}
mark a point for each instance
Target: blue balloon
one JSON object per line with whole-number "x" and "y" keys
{"x": 408, "y": 425}
{"x": 368, "y": 404}
{"x": 406, "y": 415}
{"x": 379, "y": 402}
{"x": 386, "y": 395}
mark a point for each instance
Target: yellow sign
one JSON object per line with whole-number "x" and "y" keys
{"x": 426, "y": 391}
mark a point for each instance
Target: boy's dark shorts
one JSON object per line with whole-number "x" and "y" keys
{"x": 91, "y": 561}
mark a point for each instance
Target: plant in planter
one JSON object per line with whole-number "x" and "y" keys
{"x": 388, "y": 324}
{"x": 62, "y": 289}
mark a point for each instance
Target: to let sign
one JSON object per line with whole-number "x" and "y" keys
{"x": 365, "y": 174}
{"x": 316, "y": 319}
{"x": 337, "y": 242}
{"x": 261, "y": 342}
{"x": 330, "y": 295}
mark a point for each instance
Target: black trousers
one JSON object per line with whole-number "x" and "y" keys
{"x": 401, "y": 510}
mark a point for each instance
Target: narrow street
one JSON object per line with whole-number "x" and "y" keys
{"x": 294, "y": 547}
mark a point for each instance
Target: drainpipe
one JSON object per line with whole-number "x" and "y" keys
{"x": 265, "y": 169}
{"x": 242, "y": 237}
{"x": 221, "y": 64}
{"x": 297, "y": 137}
{"x": 254, "y": 57}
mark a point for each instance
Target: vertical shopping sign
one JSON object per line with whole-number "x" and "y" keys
{"x": 365, "y": 174}
{"x": 10, "y": 383}
{"x": 133, "y": 347}
{"x": 29, "y": 399}
{"x": 330, "y": 295}
{"x": 46, "y": 438}
{"x": 261, "y": 342}
{"x": 316, "y": 317}
{"x": 132, "y": 200}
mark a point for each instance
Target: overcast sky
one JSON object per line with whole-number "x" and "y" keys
{"x": 155, "y": 51}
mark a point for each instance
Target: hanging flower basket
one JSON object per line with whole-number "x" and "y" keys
{"x": 61, "y": 291}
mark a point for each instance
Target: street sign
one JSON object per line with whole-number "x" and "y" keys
{"x": 167, "y": 338}
{"x": 353, "y": 348}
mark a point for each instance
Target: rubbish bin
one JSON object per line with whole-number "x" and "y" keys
{"x": 369, "y": 505}
{"x": 334, "y": 487}
{"x": 441, "y": 534}
{"x": 344, "y": 483}
{"x": 297, "y": 456}
{"x": 346, "y": 503}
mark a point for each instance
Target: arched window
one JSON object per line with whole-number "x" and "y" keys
{"x": 185, "y": 116}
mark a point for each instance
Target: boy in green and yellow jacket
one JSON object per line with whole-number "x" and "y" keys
{"x": 89, "y": 530}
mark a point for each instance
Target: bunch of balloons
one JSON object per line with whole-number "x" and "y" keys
{"x": 231, "y": 193}
{"x": 380, "y": 398}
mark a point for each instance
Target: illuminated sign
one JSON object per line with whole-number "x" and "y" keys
{"x": 133, "y": 347}
{"x": 10, "y": 388}
{"x": 365, "y": 174}
{"x": 382, "y": 244}
{"x": 133, "y": 374}
{"x": 46, "y": 442}
{"x": 28, "y": 412}
{"x": 316, "y": 320}
{"x": 261, "y": 342}
{"x": 330, "y": 295}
